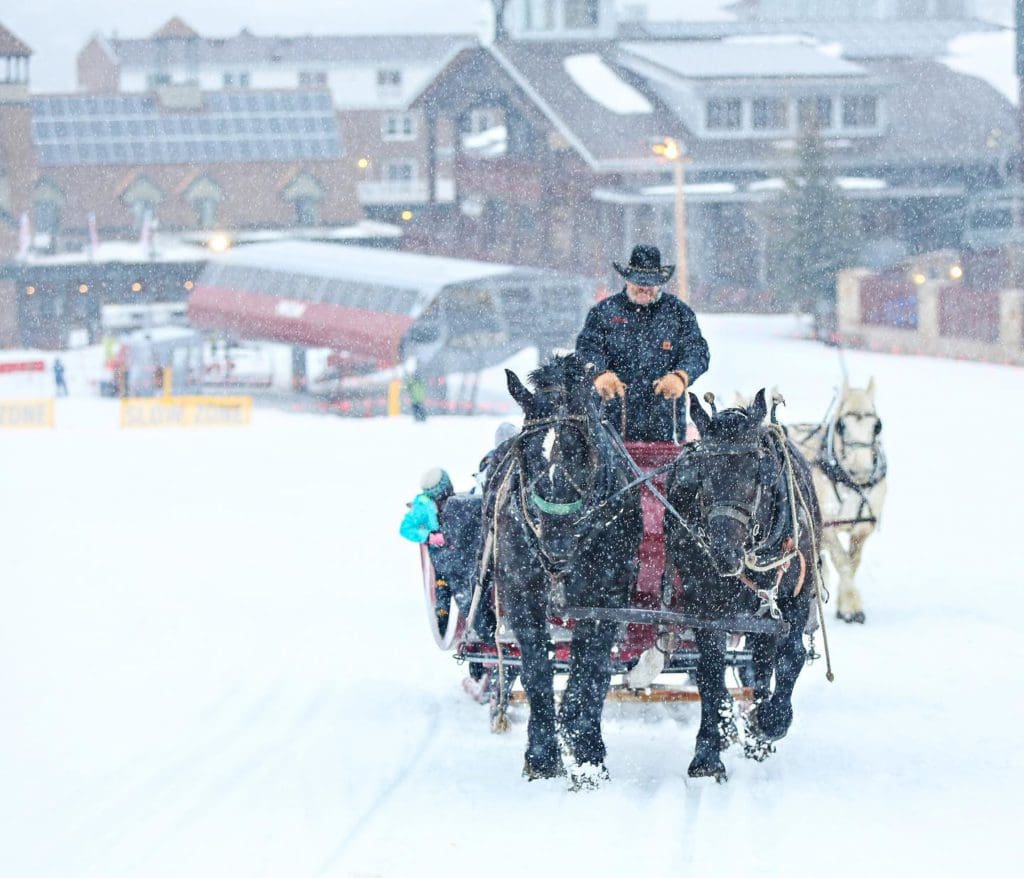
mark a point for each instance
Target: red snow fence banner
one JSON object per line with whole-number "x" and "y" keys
{"x": 26, "y": 414}
{"x": 186, "y": 411}
{"x": 27, "y": 366}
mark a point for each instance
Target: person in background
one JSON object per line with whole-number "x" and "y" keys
{"x": 417, "y": 391}
{"x": 58, "y": 377}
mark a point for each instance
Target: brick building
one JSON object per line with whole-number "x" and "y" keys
{"x": 371, "y": 80}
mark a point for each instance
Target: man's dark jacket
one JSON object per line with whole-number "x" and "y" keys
{"x": 640, "y": 343}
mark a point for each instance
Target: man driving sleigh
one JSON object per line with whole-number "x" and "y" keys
{"x": 644, "y": 348}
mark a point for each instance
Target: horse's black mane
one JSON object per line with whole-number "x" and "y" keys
{"x": 732, "y": 425}
{"x": 560, "y": 371}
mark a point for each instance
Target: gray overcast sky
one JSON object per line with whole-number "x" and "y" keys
{"x": 57, "y": 29}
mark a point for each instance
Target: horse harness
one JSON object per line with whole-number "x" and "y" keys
{"x": 832, "y": 467}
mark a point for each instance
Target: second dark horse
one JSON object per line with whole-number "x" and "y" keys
{"x": 563, "y": 530}
{"x": 747, "y": 547}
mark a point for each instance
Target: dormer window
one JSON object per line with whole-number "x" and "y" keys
{"x": 724, "y": 114}
{"x": 814, "y": 114}
{"x": 539, "y": 15}
{"x": 582, "y": 14}
{"x": 769, "y": 114}
{"x": 860, "y": 111}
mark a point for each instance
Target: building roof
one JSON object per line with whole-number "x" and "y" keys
{"x": 11, "y": 46}
{"x": 609, "y": 135}
{"x": 228, "y": 126}
{"x": 929, "y": 112}
{"x": 747, "y": 58}
{"x": 175, "y": 28}
{"x": 857, "y": 39}
{"x": 247, "y": 48}
{"x": 424, "y": 275}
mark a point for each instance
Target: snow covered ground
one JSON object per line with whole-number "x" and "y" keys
{"x": 214, "y": 660}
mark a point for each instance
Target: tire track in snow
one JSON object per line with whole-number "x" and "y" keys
{"x": 386, "y": 792}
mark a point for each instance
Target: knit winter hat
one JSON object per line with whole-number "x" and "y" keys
{"x": 436, "y": 483}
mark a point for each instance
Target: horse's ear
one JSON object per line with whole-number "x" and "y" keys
{"x": 759, "y": 407}
{"x": 871, "y": 389}
{"x": 518, "y": 390}
{"x": 701, "y": 419}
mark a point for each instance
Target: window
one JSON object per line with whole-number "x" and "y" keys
{"x": 389, "y": 79}
{"x": 154, "y": 80}
{"x": 769, "y": 114}
{"x": 243, "y": 80}
{"x": 236, "y": 79}
{"x": 724, "y": 114}
{"x": 312, "y": 78}
{"x": 860, "y": 112}
{"x": 398, "y": 126}
{"x": 307, "y": 211}
{"x": 539, "y": 15}
{"x": 481, "y": 120}
{"x": 913, "y": 9}
{"x": 814, "y": 114}
{"x": 582, "y": 14}
{"x": 206, "y": 212}
{"x": 400, "y": 172}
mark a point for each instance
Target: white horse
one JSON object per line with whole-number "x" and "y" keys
{"x": 849, "y": 467}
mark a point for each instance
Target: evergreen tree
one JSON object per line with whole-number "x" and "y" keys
{"x": 818, "y": 235}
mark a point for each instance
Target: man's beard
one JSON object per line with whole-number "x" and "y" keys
{"x": 654, "y": 299}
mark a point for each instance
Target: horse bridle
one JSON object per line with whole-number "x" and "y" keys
{"x": 832, "y": 465}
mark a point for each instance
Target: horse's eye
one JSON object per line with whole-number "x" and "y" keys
{"x": 878, "y": 426}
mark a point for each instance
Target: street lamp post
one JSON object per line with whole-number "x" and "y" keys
{"x": 670, "y": 150}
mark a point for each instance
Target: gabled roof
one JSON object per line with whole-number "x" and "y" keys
{"x": 11, "y": 46}
{"x": 175, "y": 28}
{"x": 604, "y": 133}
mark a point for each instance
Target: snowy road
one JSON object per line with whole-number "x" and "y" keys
{"x": 214, "y": 661}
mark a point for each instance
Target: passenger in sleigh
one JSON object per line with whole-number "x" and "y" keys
{"x": 644, "y": 349}
{"x": 450, "y": 525}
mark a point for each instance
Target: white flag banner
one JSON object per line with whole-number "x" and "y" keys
{"x": 94, "y": 236}
{"x": 24, "y": 236}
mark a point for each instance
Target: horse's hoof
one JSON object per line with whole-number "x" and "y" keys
{"x": 758, "y": 749}
{"x": 588, "y": 776}
{"x": 706, "y": 761}
{"x": 857, "y": 616}
{"x": 713, "y": 767}
{"x": 770, "y": 721}
{"x": 542, "y": 769}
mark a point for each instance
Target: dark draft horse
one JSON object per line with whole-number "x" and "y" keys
{"x": 746, "y": 546}
{"x": 565, "y": 531}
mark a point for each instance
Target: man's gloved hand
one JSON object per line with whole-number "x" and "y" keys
{"x": 608, "y": 385}
{"x": 673, "y": 385}
{"x": 436, "y": 539}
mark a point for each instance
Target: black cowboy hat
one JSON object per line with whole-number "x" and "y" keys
{"x": 645, "y": 268}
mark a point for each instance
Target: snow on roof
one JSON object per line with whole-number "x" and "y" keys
{"x": 852, "y": 184}
{"x": 692, "y": 189}
{"x": 602, "y": 84}
{"x": 691, "y": 10}
{"x": 987, "y": 56}
{"x": 124, "y": 251}
{"x": 717, "y": 59}
{"x": 388, "y": 268}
